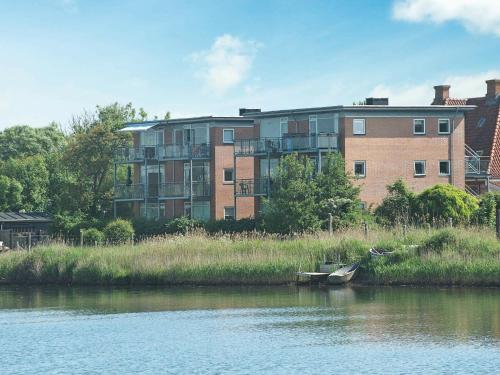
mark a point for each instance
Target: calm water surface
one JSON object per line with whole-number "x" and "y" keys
{"x": 249, "y": 330}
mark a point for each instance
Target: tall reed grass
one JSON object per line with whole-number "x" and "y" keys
{"x": 452, "y": 256}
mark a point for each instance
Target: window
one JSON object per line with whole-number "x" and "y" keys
{"x": 313, "y": 124}
{"x": 152, "y": 210}
{"x": 358, "y": 126}
{"x": 444, "y": 168}
{"x": 228, "y": 136}
{"x": 444, "y": 126}
{"x": 228, "y": 213}
{"x": 201, "y": 210}
{"x": 228, "y": 175}
{"x": 284, "y": 125}
{"x": 419, "y": 167}
{"x": 419, "y": 126}
{"x": 359, "y": 168}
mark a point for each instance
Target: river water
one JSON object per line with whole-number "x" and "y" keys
{"x": 283, "y": 330}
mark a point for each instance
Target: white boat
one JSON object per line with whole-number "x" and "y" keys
{"x": 343, "y": 275}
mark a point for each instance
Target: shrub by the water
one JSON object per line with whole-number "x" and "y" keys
{"x": 230, "y": 226}
{"x": 119, "y": 231}
{"x": 92, "y": 236}
{"x": 182, "y": 225}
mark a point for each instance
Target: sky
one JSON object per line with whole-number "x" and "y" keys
{"x": 59, "y": 58}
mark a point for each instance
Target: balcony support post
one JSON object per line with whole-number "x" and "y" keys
{"x": 268, "y": 174}
{"x": 158, "y": 193}
{"x": 146, "y": 186}
{"x": 191, "y": 185}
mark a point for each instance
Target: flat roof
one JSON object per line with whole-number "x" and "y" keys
{"x": 364, "y": 108}
{"x": 141, "y": 126}
{"x": 15, "y": 217}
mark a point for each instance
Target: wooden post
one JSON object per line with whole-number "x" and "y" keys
{"x": 405, "y": 229}
{"x": 330, "y": 224}
{"x": 498, "y": 224}
{"x": 29, "y": 241}
{"x": 81, "y": 237}
{"x": 365, "y": 225}
{"x": 450, "y": 221}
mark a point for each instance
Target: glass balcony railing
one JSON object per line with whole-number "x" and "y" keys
{"x": 179, "y": 190}
{"x": 288, "y": 143}
{"x": 249, "y": 187}
{"x": 130, "y": 192}
{"x": 162, "y": 152}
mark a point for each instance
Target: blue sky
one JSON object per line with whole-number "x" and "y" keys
{"x": 60, "y": 57}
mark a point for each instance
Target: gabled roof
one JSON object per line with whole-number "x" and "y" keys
{"x": 13, "y": 217}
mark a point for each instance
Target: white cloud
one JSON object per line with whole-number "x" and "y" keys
{"x": 464, "y": 86}
{"x": 481, "y": 16}
{"x": 227, "y": 63}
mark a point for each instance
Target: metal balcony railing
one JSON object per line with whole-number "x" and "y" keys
{"x": 129, "y": 154}
{"x": 130, "y": 192}
{"x": 476, "y": 166}
{"x": 249, "y": 187}
{"x": 288, "y": 143}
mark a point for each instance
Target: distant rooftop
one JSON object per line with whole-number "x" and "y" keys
{"x": 13, "y": 217}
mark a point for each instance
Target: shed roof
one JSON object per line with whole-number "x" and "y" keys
{"x": 13, "y": 217}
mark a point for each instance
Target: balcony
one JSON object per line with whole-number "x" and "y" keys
{"x": 162, "y": 152}
{"x": 476, "y": 166}
{"x": 129, "y": 192}
{"x": 286, "y": 144}
{"x": 179, "y": 190}
{"x": 249, "y": 187}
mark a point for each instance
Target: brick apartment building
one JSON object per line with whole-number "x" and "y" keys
{"x": 221, "y": 167}
{"x": 482, "y": 136}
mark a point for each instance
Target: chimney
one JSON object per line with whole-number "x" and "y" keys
{"x": 493, "y": 87}
{"x": 441, "y": 93}
{"x": 246, "y": 111}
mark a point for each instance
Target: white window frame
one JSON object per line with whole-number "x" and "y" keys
{"x": 313, "y": 124}
{"x": 363, "y": 162}
{"x": 359, "y": 121}
{"x": 224, "y": 138}
{"x": 224, "y": 176}
{"x": 439, "y": 126}
{"x": 414, "y": 123}
{"x": 449, "y": 167}
{"x": 283, "y": 122}
{"x": 226, "y": 217}
{"x": 415, "y": 169}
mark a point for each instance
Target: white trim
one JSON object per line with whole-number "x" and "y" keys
{"x": 364, "y": 126}
{"x": 224, "y": 176}
{"x": 419, "y": 119}
{"x": 449, "y": 168}
{"x": 223, "y": 138}
{"x": 415, "y": 170}
{"x": 449, "y": 126}
{"x": 363, "y": 162}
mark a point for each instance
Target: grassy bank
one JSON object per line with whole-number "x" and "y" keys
{"x": 444, "y": 257}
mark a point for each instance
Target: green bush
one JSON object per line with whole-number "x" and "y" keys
{"x": 150, "y": 227}
{"x": 92, "y": 236}
{"x": 486, "y": 213}
{"x": 118, "y": 231}
{"x": 441, "y": 202}
{"x": 438, "y": 242}
{"x": 398, "y": 206}
{"x": 182, "y": 225}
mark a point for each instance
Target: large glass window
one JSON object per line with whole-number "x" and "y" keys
{"x": 283, "y": 125}
{"x": 264, "y": 166}
{"x": 152, "y": 138}
{"x": 150, "y": 210}
{"x": 201, "y": 210}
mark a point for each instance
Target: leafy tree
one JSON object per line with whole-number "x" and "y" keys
{"x": 398, "y": 206}
{"x": 486, "y": 213}
{"x": 90, "y": 154}
{"x": 336, "y": 194}
{"x": 119, "y": 231}
{"x": 442, "y": 202}
{"x": 293, "y": 205}
{"x": 31, "y": 172}
{"x": 10, "y": 194}
{"x": 22, "y": 141}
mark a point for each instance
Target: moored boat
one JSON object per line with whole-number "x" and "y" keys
{"x": 343, "y": 275}
{"x": 379, "y": 252}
